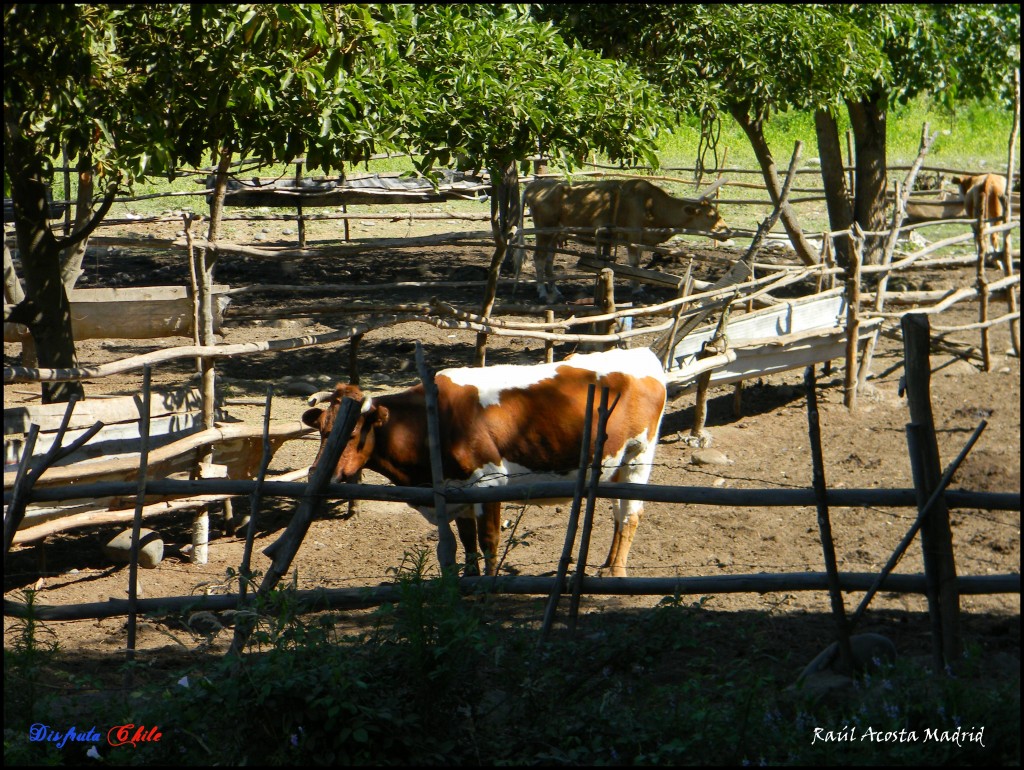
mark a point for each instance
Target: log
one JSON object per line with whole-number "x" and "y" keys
{"x": 166, "y": 455}
{"x": 562, "y": 490}
{"x": 69, "y": 521}
{"x": 936, "y": 537}
{"x": 371, "y": 596}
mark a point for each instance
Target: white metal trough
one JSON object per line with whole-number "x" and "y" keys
{"x": 790, "y": 335}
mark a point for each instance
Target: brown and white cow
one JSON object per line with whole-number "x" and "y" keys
{"x": 622, "y": 203}
{"x": 507, "y": 424}
{"x": 983, "y": 197}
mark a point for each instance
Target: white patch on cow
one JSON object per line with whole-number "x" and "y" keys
{"x": 491, "y": 381}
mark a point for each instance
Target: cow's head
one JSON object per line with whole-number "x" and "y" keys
{"x": 361, "y": 441}
{"x": 663, "y": 210}
{"x": 703, "y": 215}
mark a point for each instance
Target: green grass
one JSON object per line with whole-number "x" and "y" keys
{"x": 977, "y": 139}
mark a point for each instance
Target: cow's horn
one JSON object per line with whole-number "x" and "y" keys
{"x": 367, "y": 400}
{"x": 319, "y": 398}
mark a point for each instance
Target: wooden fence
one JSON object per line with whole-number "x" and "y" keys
{"x": 688, "y": 307}
{"x": 939, "y": 584}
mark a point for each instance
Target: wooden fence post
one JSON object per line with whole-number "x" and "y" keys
{"x": 981, "y": 281}
{"x": 140, "y": 501}
{"x": 853, "y": 318}
{"x": 445, "y": 537}
{"x": 574, "y": 515}
{"x": 298, "y": 206}
{"x": 1007, "y": 254}
{"x": 828, "y": 547}
{"x": 936, "y": 538}
{"x": 283, "y": 550}
{"x": 588, "y": 516}
{"x": 605, "y": 302}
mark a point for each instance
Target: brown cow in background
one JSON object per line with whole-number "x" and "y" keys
{"x": 983, "y": 197}
{"x": 624, "y": 203}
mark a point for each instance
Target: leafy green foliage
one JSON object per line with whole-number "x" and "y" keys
{"x": 952, "y": 51}
{"x": 497, "y": 86}
{"x": 765, "y": 58}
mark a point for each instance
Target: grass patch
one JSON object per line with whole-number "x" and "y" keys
{"x": 445, "y": 680}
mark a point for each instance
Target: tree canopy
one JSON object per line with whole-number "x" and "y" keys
{"x": 752, "y": 60}
{"x": 137, "y": 89}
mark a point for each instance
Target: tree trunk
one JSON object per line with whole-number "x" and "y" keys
{"x": 206, "y": 260}
{"x": 833, "y": 175}
{"x": 868, "y": 121}
{"x": 754, "y": 129}
{"x": 14, "y": 294}
{"x": 45, "y": 310}
{"x": 71, "y": 257}
{"x": 505, "y": 204}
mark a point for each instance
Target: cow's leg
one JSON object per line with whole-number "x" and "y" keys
{"x": 489, "y": 529}
{"x": 635, "y": 469}
{"x": 467, "y": 534}
{"x": 627, "y": 518}
{"x": 544, "y": 266}
{"x": 634, "y": 261}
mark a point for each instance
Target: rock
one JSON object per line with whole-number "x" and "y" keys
{"x": 869, "y": 651}
{"x": 204, "y": 622}
{"x": 151, "y": 550}
{"x": 709, "y": 457}
{"x": 300, "y": 388}
{"x": 957, "y": 367}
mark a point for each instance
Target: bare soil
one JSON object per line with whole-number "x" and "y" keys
{"x": 766, "y": 445}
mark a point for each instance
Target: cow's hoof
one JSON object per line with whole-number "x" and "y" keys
{"x": 549, "y": 296}
{"x": 611, "y": 572}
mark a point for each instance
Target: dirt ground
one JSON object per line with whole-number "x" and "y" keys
{"x": 766, "y": 446}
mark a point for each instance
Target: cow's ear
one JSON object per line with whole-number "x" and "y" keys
{"x": 312, "y": 417}
{"x": 381, "y": 416}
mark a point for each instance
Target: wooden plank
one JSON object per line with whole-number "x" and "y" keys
{"x": 760, "y": 360}
{"x": 118, "y": 438}
{"x": 655, "y": 277}
{"x": 49, "y": 521}
{"x": 106, "y": 410}
{"x": 820, "y": 311}
{"x": 163, "y": 458}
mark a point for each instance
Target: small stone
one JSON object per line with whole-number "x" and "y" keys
{"x": 709, "y": 457}
{"x": 151, "y": 549}
{"x": 300, "y": 388}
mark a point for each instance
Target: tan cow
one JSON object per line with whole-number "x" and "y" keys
{"x": 631, "y": 203}
{"x": 983, "y": 197}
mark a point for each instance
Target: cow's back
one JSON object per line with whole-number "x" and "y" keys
{"x": 606, "y": 203}
{"x": 529, "y": 420}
